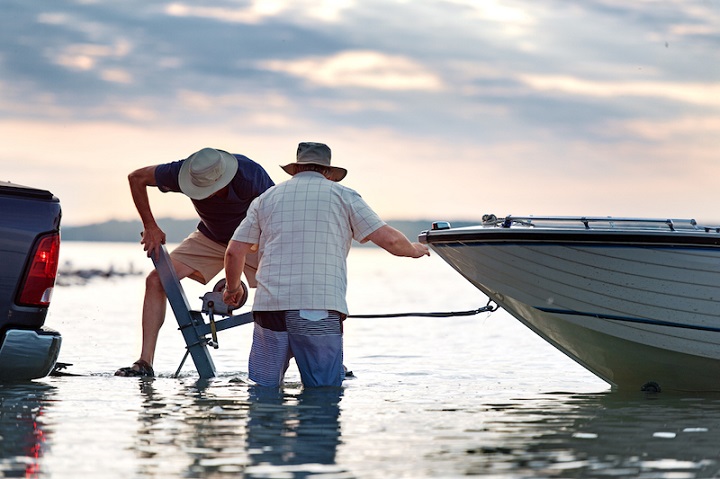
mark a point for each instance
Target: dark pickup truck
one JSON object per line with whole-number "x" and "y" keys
{"x": 29, "y": 251}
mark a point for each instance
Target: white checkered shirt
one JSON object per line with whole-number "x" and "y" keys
{"x": 304, "y": 228}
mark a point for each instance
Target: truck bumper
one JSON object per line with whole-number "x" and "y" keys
{"x": 28, "y": 354}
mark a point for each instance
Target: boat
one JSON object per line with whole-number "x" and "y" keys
{"x": 636, "y": 301}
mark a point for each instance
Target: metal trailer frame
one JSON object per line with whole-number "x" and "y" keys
{"x": 192, "y": 323}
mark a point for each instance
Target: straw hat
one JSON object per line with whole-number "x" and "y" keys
{"x": 316, "y": 154}
{"x": 206, "y": 172}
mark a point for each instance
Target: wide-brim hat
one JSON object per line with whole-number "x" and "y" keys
{"x": 315, "y": 154}
{"x": 206, "y": 172}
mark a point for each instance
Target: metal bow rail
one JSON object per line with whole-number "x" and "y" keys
{"x": 593, "y": 222}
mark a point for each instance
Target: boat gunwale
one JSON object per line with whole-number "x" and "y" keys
{"x": 648, "y": 237}
{"x": 547, "y": 238}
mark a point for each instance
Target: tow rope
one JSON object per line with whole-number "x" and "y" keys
{"x": 488, "y": 308}
{"x": 58, "y": 369}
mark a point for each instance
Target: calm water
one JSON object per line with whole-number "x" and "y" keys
{"x": 442, "y": 398}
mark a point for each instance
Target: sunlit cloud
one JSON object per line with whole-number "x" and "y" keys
{"x": 360, "y": 69}
{"x": 684, "y": 128}
{"x": 514, "y": 20}
{"x": 686, "y": 29}
{"x": 265, "y": 110}
{"x": 116, "y": 75}
{"x": 170, "y": 62}
{"x": 271, "y": 108}
{"x": 707, "y": 94}
{"x": 86, "y": 57}
{"x": 203, "y": 101}
{"x": 259, "y": 10}
{"x": 11, "y": 101}
{"x": 53, "y": 18}
{"x": 75, "y": 62}
{"x": 92, "y": 29}
{"x": 354, "y": 106}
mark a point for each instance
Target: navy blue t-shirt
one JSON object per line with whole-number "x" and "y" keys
{"x": 219, "y": 217}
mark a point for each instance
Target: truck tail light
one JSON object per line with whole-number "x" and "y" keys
{"x": 39, "y": 281}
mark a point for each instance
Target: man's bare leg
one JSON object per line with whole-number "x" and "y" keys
{"x": 154, "y": 309}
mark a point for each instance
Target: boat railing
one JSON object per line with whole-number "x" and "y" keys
{"x": 602, "y": 222}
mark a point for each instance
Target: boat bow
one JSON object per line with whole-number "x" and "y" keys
{"x": 633, "y": 300}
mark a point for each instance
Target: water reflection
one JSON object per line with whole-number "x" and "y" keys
{"x": 237, "y": 430}
{"x": 22, "y": 431}
{"x": 601, "y": 435}
{"x": 294, "y": 433}
{"x": 191, "y": 430}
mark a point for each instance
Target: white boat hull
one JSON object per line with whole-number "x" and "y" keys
{"x": 630, "y": 311}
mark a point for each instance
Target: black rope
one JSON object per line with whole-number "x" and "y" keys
{"x": 485, "y": 309}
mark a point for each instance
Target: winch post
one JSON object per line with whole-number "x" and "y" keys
{"x": 190, "y": 322}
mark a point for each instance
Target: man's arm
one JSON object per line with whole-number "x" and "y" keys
{"x": 235, "y": 255}
{"x": 152, "y": 235}
{"x": 393, "y": 241}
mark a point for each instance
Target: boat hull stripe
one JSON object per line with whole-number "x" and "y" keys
{"x": 629, "y": 319}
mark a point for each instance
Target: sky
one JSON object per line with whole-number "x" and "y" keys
{"x": 439, "y": 109}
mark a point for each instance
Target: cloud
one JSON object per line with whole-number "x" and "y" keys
{"x": 116, "y": 75}
{"x": 262, "y": 110}
{"x": 689, "y": 128}
{"x": 81, "y": 56}
{"x": 360, "y": 69}
{"x": 260, "y": 10}
{"x": 707, "y": 94}
{"x": 514, "y": 19}
{"x": 100, "y": 54}
{"x": 529, "y": 103}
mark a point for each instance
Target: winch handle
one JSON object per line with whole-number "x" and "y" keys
{"x": 220, "y": 286}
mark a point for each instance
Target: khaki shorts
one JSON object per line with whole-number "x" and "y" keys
{"x": 207, "y": 258}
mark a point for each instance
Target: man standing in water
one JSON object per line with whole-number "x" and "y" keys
{"x": 303, "y": 230}
{"x": 221, "y": 186}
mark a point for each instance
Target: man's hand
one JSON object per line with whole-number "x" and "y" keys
{"x": 152, "y": 239}
{"x": 233, "y": 298}
{"x": 420, "y": 250}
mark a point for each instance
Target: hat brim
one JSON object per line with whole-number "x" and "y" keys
{"x": 200, "y": 193}
{"x": 336, "y": 173}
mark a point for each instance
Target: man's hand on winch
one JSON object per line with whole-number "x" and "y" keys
{"x": 234, "y": 298}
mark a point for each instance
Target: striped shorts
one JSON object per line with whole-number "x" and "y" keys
{"x": 316, "y": 345}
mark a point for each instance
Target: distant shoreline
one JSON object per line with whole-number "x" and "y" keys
{"x": 176, "y": 230}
